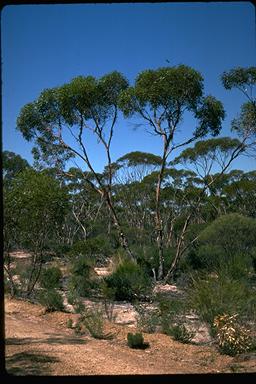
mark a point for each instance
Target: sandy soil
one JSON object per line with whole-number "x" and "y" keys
{"x": 41, "y": 344}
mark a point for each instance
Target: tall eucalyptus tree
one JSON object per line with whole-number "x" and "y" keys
{"x": 161, "y": 97}
{"x": 59, "y": 120}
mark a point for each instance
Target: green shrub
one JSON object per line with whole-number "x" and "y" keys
{"x": 82, "y": 276}
{"x": 229, "y": 242}
{"x": 51, "y": 300}
{"x": 75, "y": 300}
{"x": 69, "y": 323}
{"x": 233, "y": 338}
{"x": 169, "y": 310}
{"x": 213, "y": 295}
{"x": 92, "y": 320}
{"x": 148, "y": 319}
{"x": 136, "y": 340}
{"x": 50, "y": 278}
{"x": 181, "y": 333}
{"x": 95, "y": 249}
{"x": 128, "y": 281}
{"x": 108, "y": 295}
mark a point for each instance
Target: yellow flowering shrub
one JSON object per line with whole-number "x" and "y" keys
{"x": 233, "y": 338}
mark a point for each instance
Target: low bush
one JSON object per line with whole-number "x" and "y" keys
{"x": 213, "y": 295}
{"x": 136, "y": 341}
{"x": 169, "y": 310}
{"x": 233, "y": 338}
{"x": 50, "y": 278}
{"x": 181, "y": 333}
{"x": 108, "y": 295}
{"x": 69, "y": 323}
{"x": 147, "y": 319}
{"x": 95, "y": 249}
{"x": 51, "y": 300}
{"x": 82, "y": 276}
{"x": 75, "y": 300}
{"x": 91, "y": 319}
{"x": 128, "y": 281}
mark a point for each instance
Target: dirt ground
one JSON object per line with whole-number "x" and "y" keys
{"x": 38, "y": 343}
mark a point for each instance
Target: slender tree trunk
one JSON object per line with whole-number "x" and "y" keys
{"x": 122, "y": 238}
{"x": 158, "y": 219}
{"x": 10, "y": 276}
{"x": 178, "y": 250}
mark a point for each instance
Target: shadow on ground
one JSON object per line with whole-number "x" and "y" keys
{"x": 50, "y": 340}
{"x": 23, "y": 364}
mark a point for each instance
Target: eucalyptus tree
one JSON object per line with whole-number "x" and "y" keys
{"x": 244, "y": 80}
{"x": 134, "y": 166}
{"x": 12, "y": 165}
{"x": 34, "y": 208}
{"x": 59, "y": 120}
{"x": 161, "y": 97}
{"x": 208, "y": 155}
{"x": 241, "y": 194}
{"x": 85, "y": 206}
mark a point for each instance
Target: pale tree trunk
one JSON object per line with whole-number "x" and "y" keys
{"x": 158, "y": 219}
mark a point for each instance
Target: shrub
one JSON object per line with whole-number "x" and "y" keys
{"x": 169, "y": 310}
{"x": 232, "y": 337}
{"x": 181, "y": 333}
{"x": 148, "y": 319}
{"x": 91, "y": 319}
{"x": 51, "y": 300}
{"x": 108, "y": 295}
{"x": 211, "y": 296}
{"x": 95, "y": 249}
{"x": 69, "y": 323}
{"x": 136, "y": 340}
{"x": 228, "y": 241}
{"x": 128, "y": 281}
{"x": 50, "y": 278}
{"x": 81, "y": 276}
{"x": 74, "y": 300}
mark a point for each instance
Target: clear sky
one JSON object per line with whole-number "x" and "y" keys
{"x": 44, "y": 46}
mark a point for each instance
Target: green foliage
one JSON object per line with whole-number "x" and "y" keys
{"x": 75, "y": 300}
{"x": 245, "y": 124}
{"x": 213, "y": 295}
{"x": 181, "y": 333}
{"x": 95, "y": 249}
{"x": 128, "y": 281}
{"x": 210, "y": 147}
{"x": 233, "y": 338}
{"x": 108, "y": 295}
{"x": 69, "y": 323}
{"x": 91, "y": 319}
{"x": 50, "y": 278}
{"x": 228, "y": 242}
{"x": 12, "y": 164}
{"x": 169, "y": 90}
{"x": 82, "y": 275}
{"x": 147, "y": 319}
{"x": 136, "y": 341}
{"x": 51, "y": 300}
{"x": 169, "y": 310}
{"x": 238, "y": 77}
{"x": 37, "y": 205}
{"x": 82, "y": 99}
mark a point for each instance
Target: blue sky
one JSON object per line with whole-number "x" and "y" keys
{"x": 44, "y": 46}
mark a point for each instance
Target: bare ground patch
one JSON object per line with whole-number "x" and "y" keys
{"x": 41, "y": 344}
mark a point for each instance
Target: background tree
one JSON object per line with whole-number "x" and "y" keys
{"x": 34, "y": 207}
{"x": 244, "y": 80}
{"x": 161, "y": 97}
{"x": 84, "y": 104}
{"x": 12, "y": 164}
